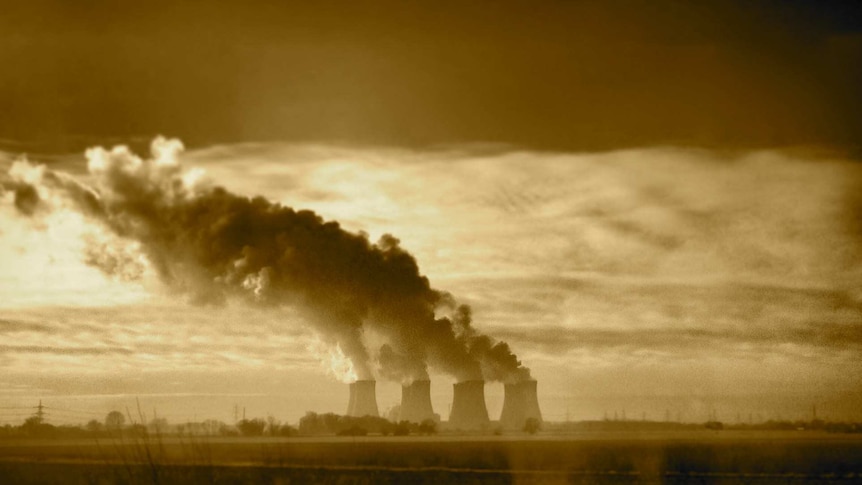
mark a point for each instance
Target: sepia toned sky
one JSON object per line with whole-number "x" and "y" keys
{"x": 656, "y": 205}
{"x": 560, "y": 75}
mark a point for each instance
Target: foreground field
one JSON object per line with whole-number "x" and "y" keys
{"x": 708, "y": 457}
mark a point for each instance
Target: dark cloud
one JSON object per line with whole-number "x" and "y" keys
{"x": 563, "y": 75}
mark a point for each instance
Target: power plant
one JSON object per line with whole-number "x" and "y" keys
{"x": 468, "y": 412}
{"x": 468, "y": 406}
{"x": 520, "y": 403}
{"x": 363, "y": 400}
{"x": 416, "y": 402}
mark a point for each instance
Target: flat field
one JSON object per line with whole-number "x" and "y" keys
{"x": 602, "y": 457}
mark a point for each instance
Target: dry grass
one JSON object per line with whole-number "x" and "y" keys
{"x": 157, "y": 459}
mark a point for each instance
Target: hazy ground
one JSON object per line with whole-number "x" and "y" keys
{"x": 599, "y": 457}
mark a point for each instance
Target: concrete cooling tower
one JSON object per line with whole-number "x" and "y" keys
{"x": 520, "y": 403}
{"x": 468, "y": 406}
{"x": 416, "y": 402}
{"x": 363, "y": 401}
{"x": 531, "y": 399}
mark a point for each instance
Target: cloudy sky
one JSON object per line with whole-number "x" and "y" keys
{"x": 657, "y": 206}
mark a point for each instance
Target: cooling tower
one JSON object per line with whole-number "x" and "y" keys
{"x": 531, "y": 400}
{"x": 351, "y": 403}
{"x": 520, "y": 403}
{"x": 468, "y": 406}
{"x": 363, "y": 401}
{"x": 416, "y": 402}
{"x": 514, "y": 413}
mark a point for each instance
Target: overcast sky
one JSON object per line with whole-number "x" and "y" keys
{"x": 656, "y": 205}
{"x": 560, "y": 75}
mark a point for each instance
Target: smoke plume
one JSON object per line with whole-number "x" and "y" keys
{"x": 211, "y": 245}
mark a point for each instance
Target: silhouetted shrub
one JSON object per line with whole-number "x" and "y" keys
{"x": 532, "y": 425}
{"x": 251, "y": 427}
{"x": 402, "y": 429}
{"x": 95, "y": 426}
{"x": 114, "y": 421}
{"x": 715, "y": 425}
{"x": 428, "y": 427}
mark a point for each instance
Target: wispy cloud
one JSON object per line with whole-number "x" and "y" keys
{"x": 18, "y": 326}
{"x": 40, "y": 349}
{"x": 667, "y": 213}
{"x": 815, "y": 336}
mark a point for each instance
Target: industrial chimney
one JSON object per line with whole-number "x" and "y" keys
{"x": 520, "y": 402}
{"x": 468, "y": 406}
{"x": 416, "y": 402}
{"x": 363, "y": 401}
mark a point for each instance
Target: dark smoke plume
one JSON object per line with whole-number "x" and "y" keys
{"x": 26, "y": 199}
{"x": 211, "y": 245}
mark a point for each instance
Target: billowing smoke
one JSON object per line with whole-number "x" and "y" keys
{"x": 497, "y": 360}
{"x": 211, "y": 245}
{"x": 26, "y": 199}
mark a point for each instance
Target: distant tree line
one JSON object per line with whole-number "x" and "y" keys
{"x": 331, "y": 423}
{"x": 115, "y": 425}
{"x": 772, "y": 425}
{"x": 815, "y": 424}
